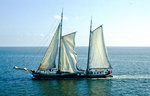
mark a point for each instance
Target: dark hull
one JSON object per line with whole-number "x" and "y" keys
{"x": 68, "y": 76}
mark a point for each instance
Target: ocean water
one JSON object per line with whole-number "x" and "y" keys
{"x": 131, "y": 71}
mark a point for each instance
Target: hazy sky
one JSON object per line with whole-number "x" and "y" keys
{"x": 32, "y": 22}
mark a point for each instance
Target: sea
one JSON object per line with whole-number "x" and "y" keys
{"x": 131, "y": 74}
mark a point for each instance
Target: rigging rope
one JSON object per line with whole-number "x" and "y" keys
{"x": 47, "y": 38}
{"x": 24, "y": 58}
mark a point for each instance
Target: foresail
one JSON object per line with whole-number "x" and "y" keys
{"x": 98, "y": 53}
{"x": 48, "y": 61}
{"x": 68, "y": 58}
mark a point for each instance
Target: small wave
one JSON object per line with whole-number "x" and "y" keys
{"x": 131, "y": 77}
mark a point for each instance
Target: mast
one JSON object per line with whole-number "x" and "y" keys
{"x": 89, "y": 47}
{"x": 60, "y": 42}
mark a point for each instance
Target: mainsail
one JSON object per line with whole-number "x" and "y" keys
{"x": 48, "y": 61}
{"x": 68, "y": 55}
{"x": 98, "y": 54}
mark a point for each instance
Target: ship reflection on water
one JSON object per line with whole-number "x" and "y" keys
{"x": 75, "y": 87}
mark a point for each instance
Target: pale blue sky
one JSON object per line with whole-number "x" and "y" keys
{"x": 30, "y": 22}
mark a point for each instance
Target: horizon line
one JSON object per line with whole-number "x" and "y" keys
{"x": 76, "y": 46}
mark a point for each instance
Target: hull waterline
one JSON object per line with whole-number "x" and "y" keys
{"x": 69, "y": 76}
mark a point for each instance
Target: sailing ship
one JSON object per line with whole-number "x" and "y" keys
{"x": 98, "y": 65}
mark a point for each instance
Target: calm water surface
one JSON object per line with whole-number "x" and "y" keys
{"x": 131, "y": 70}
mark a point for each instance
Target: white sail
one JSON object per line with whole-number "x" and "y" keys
{"x": 68, "y": 58}
{"x": 48, "y": 61}
{"x": 98, "y": 54}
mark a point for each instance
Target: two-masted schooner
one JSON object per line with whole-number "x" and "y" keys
{"x": 98, "y": 65}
